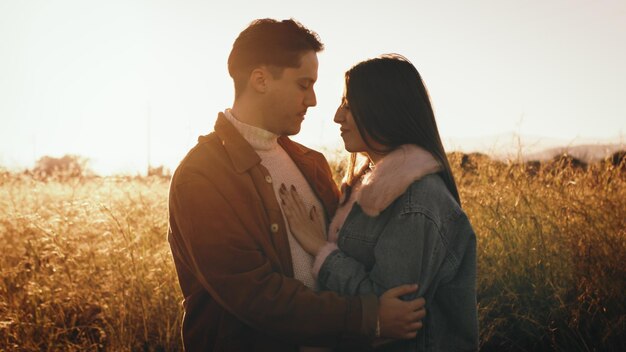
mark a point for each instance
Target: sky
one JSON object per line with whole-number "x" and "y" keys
{"x": 127, "y": 83}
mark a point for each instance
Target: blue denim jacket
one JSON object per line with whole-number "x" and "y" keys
{"x": 423, "y": 237}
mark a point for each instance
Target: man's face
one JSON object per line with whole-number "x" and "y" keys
{"x": 289, "y": 97}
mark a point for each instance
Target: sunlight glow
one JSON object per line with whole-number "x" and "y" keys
{"x": 125, "y": 84}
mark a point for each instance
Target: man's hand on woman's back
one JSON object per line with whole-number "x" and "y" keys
{"x": 400, "y": 319}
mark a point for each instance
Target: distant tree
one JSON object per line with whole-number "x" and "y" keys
{"x": 68, "y": 166}
{"x": 471, "y": 161}
{"x": 160, "y": 171}
{"x": 4, "y": 175}
{"x": 618, "y": 159}
{"x": 532, "y": 167}
{"x": 566, "y": 161}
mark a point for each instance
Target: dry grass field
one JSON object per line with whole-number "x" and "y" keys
{"x": 86, "y": 266}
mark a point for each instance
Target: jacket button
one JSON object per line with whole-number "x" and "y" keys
{"x": 268, "y": 179}
{"x": 274, "y": 228}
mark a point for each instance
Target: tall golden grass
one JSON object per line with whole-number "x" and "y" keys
{"x": 85, "y": 264}
{"x": 551, "y": 254}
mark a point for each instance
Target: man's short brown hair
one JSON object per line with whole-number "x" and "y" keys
{"x": 268, "y": 42}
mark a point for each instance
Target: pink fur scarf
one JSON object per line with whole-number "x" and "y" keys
{"x": 376, "y": 190}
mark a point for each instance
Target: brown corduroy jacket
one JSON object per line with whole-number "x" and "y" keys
{"x": 232, "y": 256}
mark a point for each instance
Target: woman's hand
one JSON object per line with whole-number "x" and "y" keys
{"x": 306, "y": 226}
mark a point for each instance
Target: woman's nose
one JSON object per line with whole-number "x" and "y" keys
{"x": 340, "y": 115}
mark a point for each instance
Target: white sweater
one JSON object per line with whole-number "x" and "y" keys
{"x": 282, "y": 170}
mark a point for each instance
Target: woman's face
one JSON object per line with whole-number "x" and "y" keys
{"x": 352, "y": 139}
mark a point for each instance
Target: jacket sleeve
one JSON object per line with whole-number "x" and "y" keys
{"x": 229, "y": 262}
{"x": 408, "y": 251}
{"x": 412, "y": 249}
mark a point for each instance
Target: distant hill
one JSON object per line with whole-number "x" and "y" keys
{"x": 511, "y": 145}
{"x": 588, "y": 152}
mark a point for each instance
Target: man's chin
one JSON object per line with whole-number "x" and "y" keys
{"x": 291, "y": 131}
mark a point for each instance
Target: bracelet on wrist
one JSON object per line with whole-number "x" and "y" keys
{"x": 377, "y": 334}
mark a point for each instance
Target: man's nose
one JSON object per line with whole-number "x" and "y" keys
{"x": 310, "y": 99}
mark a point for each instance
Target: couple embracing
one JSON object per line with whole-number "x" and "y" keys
{"x": 272, "y": 256}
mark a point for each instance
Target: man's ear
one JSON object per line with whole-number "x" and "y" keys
{"x": 259, "y": 79}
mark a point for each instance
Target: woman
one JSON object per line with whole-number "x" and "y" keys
{"x": 400, "y": 221}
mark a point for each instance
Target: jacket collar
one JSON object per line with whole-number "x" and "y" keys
{"x": 238, "y": 149}
{"x": 392, "y": 176}
{"x": 244, "y": 157}
{"x": 301, "y": 155}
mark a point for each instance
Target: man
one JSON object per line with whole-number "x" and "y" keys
{"x": 243, "y": 276}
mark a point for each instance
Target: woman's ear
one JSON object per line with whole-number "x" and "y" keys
{"x": 259, "y": 79}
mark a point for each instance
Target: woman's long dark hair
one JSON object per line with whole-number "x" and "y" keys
{"x": 390, "y": 105}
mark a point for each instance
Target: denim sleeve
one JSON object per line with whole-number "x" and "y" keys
{"x": 456, "y": 295}
{"x": 409, "y": 250}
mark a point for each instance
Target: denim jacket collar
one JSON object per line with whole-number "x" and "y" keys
{"x": 392, "y": 176}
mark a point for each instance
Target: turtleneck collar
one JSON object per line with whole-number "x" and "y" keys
{"x": 258, "y": 138}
